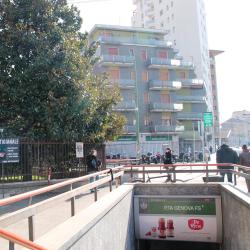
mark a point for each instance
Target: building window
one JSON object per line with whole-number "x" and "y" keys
{"x": 172, "y": 16}
{"x": 183, "y": 75}
{"x": 160, "y": 1}
{"x": 165, "y": 98}
{"x": 173, "y": 29}
{"x": 113, "y": 51}
{"x": 161, "y": 12}
{"x": 146, "y": 120}
{"x": 114, "y": 74}
{"x": 163, "y": 54}
{"x": 162, "y": 24}
{"x": 144, "y": 55}
{"x": 145, "y": 76}
{"x": 172, "y": 4}
{"x": 131, "y": 52}
{"x": 132, "y": 75}
{"x": 167, "y": 8}
{"x": 166, "y": 119}
{"x": 163, "y": 75}
{"x": 146, "y": 98}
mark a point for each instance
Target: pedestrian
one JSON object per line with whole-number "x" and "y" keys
{"x": 210, "y": 149}
{"x": 93, "y": 165}
{"x": 226, "y": 155}
{"x": 168, "y": 160}
{"x": 245, "y": 161}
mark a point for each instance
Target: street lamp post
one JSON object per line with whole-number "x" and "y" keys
{"x": 1, "y": 131}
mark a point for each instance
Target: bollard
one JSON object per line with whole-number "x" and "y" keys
{"x": 11, "y": 245}
{"x": 31, "y": 228}
{"x": 72, "y": 201}
{"x": 206, "y": 171}
{"x": 235, "y": 180}
{"x": 49, "y": 175}
{"x": 110, "y": 186}
{"x": 95, "y": 193}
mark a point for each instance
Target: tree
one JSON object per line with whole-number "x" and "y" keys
{"x": 48, "y": 89}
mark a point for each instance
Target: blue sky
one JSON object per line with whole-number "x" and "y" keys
{"x": 228, "y": 30}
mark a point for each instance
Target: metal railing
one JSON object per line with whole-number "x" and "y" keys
{"x": 15, "y": 239}
{"x": 110, "y": 175}
{"x": 32, "y": 210}
{"x": 172, "y": 169}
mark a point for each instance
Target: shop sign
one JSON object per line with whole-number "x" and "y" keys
{"x": 178, "y": 218}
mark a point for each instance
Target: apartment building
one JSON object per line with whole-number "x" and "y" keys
{"x": 212, "y": 55}
{"x": 185, "y": 24}
{"x": 162, "y": 99}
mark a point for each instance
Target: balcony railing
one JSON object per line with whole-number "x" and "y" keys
{"x": 166, "y": 128}
{"x": 134, "y": 40}
{"x": 191, "y": 99}
{"x": 165, "y": 107}
{"x": 164, "y": 85}
{"x": 123, "y": 83}
{"x": 129, "y": 129}
{"x": 156, "y": 62}
{"x": 192, "y": 83}
{"x": 117, "y": 60}
{"x": 189, "y": 116}
{"x": 125, "y": 106}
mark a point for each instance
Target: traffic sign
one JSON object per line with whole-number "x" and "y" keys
{"x": 208, "y": 119}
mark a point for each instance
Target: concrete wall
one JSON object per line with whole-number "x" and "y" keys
{"x": 105, "y": 225}
{"x": 236, "y": 219}
{"x": 177, "y": 189}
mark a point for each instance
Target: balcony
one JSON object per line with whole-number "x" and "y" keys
{"x": 125, "y": 106}
{"x": 189, "y": 116}
{"x": 123, "y": 83}
{"x": 166, "y": 128}
{"x": 117, "y": 60}
{"x": 129, "y": 129}
{"x": 164, "y": 85}
{"x": 165, "y": 107}
{"x": 158, "y": 63}
{"x": 192, "y": 83}
{"x": 134, "y": 40}
{"x": 191, "y": 99}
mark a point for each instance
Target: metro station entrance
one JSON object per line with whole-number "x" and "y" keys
{"x": 176, "y": 245}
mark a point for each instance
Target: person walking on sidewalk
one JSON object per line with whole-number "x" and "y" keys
{"x": 93, "y": 165}
{"x": 226, "y": 155}
{"x": 245, "y": 161}
{"x": 168, "y": 160}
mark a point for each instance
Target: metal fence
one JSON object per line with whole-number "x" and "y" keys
{"x": 38, "y": 158}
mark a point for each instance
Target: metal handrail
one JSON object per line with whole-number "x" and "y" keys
{"x": 19, "y": 240}
{"x": 171, "y": 168}
{"x": 30, "y": 211}
{"x": 53, "y": 187}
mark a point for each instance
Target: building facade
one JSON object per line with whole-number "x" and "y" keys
{"x": 162, "y": 99}
{"x": 236, "y": 130}
{"x": 185, "y": 24}
{"x": 217, "y": 134}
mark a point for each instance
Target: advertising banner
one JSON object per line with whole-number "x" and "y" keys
{"x": 178, "y": 218}
{"x": 9, "y": 150}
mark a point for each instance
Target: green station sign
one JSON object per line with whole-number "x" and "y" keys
{"x": 127, "y": 138}
{"x": 159, "y": 138}
{"x": 208, "y": 119}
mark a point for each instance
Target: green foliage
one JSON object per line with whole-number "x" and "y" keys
{"x": 47, "y": 86}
